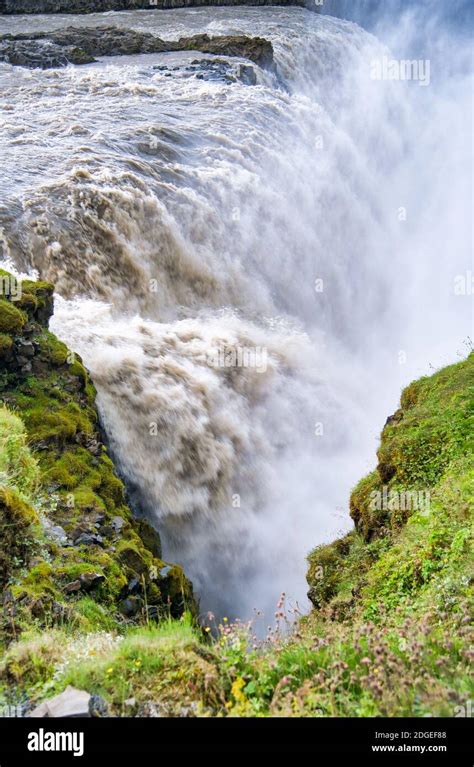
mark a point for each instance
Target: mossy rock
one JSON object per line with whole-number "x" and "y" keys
{"x": 150, "y": 537}
{"x": 325, "y": 569}
{"x": 75, "y": 481}
{"x": 18, "y": 533}
{"x": 6, "y": 345}
{"x": 12, "y": 320}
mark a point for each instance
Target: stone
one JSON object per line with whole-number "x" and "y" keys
{"x": 55, "y": 533}
{"x": 26, "y": 348}
{"x": 73, "y": 587}
{"x": 98, "y": 706}
{"x": 70, "y": 703}
{"x": 130, "y": 606}
{"x": 150, "y": 537}
{"x": 88, "y": 539}
{"x": 117, "y": 523}
{"x": 90, "y": 581}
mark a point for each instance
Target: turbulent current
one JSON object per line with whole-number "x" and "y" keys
{"x": 250, "y": 268}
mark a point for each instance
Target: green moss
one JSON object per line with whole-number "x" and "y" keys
{"x": 6, "y": 345}
{"x": 12, "y": 320}
{"x": 71, "y": 479}
{"x": 18, "y": 468}
{"x": 433, "y": 427}
{"x": 54, "y": 350}
{"x": 17, "y": 533}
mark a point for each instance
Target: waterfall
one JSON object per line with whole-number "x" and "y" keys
{"x": 250, "y": 272}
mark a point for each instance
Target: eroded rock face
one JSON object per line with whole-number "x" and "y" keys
{"x": 74, "y": 45}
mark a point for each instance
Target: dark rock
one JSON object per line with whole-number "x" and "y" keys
{"x": 25, "y": 348}
{"x": 257, "y": 49}
{"x": 150, "y": 537}
{"x": 247, "y": 74}
{"x": 153, "y": 613}
{"x": 55, "y": 533}
{"x": 89, "y": 539}
{"x": 77, "y": 45}
{"x": 90, "y": 581}
{"x": 130, "y": 606}
{"x": 98, "y": 706}
{"x": 107, "y": 531}
{"x": 134, "y": 585}
{"x": 73, "y": 587}
{"x": 386, "y": 471}
{"x": 131, "y": 558}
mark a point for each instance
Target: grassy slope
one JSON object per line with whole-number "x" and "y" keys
{"x": 390, "y": 632}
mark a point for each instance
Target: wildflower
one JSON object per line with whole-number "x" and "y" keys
{"x": 110, "y": 670}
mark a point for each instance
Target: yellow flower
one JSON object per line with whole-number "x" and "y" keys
{"x": 237, "y": 690}
{"x": 109, "y": 670}
{"x": 225, "y": 620}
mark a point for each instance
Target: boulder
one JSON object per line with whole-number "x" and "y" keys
{"x": 70, "y": 703}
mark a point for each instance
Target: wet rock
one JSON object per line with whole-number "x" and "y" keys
{"x": 257, "y": 49}
{"x": 71, "y": 703}
{"x": 77, "y": 45}
{"x": 247, "y": 75}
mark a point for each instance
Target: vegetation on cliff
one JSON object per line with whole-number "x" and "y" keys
{"x": 389, "y": 633}
{"x": 72, "y": 554}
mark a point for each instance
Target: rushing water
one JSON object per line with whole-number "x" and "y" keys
{"x": 316, "y": 220}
